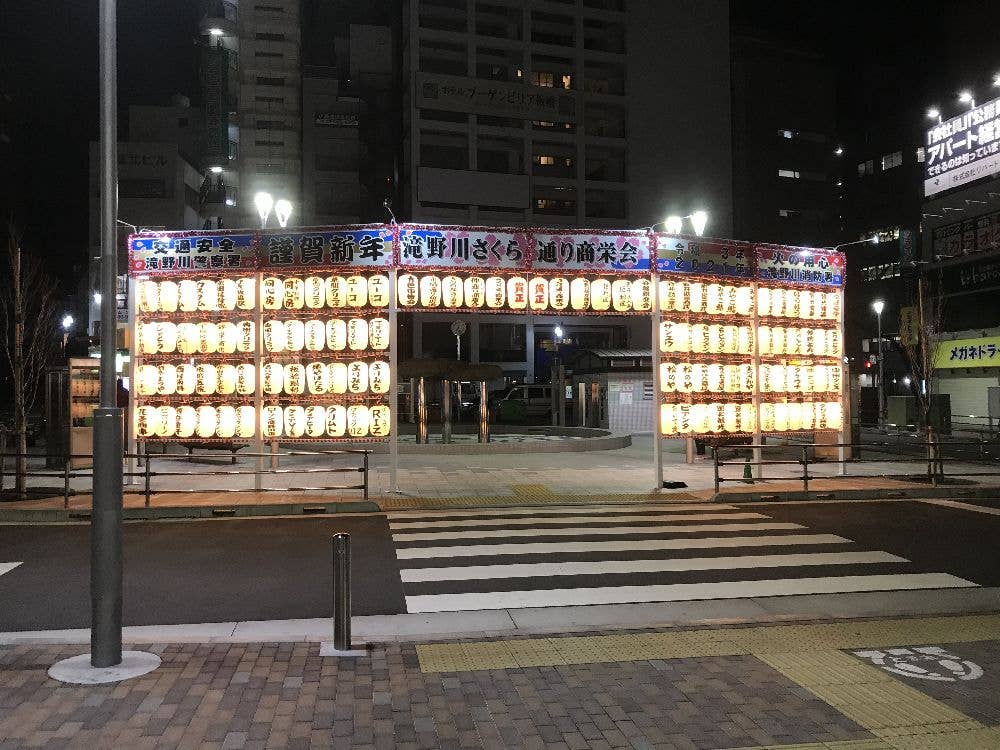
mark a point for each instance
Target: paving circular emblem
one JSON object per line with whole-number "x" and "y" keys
{"x": 925, "y": 663}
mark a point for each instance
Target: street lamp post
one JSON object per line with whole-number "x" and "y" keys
{"x": 675, "y": 224}
{"x": 878, "y": 305}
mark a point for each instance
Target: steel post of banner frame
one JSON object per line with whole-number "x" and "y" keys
{"x": 394, "y": 384}
{"x": 758, "y": 452}
{"x": 656, "y": 318}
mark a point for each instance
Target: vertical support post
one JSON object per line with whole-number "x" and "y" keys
{"x": 656, "y": 318}
{"x": 847, "y": 428}
{"x": 554, "y": 394}
{"x": 758, "y": 453}
{"x": 446, "y": 411}
{"x": 581, "y": 404}
{"x": 66, "y": 482}
{"x": 258, "y": 393}
{"x": 805, "y": 468}
{"x": 146, "y": 475}
{"x": 689, "y": 450}
{"x": 421, "y": 411}
{"x": 394, "y": 384}
{"x": 131, "y": 442}
{"x": 561, "y": 395}
{"x": 715, "y": 467}
{"x": 484, "y": 413}
{"x": 342, "y": 591}
{"x": 365, "y": 476}
{"x": 106, "y": 518}
{"x": 274, "y": 454}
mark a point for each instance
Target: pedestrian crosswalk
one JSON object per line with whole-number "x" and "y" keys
{"x": 500, "y": 558}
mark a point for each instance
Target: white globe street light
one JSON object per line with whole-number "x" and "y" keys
{"x": 699, "y": 220}
{"x": 67, "y": 322}
{"x": 264, "y": 203}
{"x": 283, "y": 210}
{"x": 674, "y": 224}
{"x": 966, "y": 98}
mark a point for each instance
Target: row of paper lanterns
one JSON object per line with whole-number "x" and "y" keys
{"x": 356, "y": 334}
{"x": 292, "y": 293}
{"x": 817, "y": 342}
{"x": 714, "y": 338}
{"x": 687, "y": 377}
{"x": 716, "y": 418}
{"x": 292, "y": 379}
{"x": 356, "y": 421}
{"x": 798, "y": 303}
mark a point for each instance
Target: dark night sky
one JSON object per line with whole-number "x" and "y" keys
{"x": 48, "y": 66}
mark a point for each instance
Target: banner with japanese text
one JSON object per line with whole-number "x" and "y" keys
{"x": 178, "y": 252}
{"x": 799, "y": 265}
{"x": 590, "y": 251}
{"x": 710, "y": 257}
{"x": 981, "y": 352}
{"x": 463, "y": 247}
{"x": 323, "y": 248}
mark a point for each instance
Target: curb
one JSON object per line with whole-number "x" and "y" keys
{"x": 168, "y": 513}
{"x": 894, "y": 493}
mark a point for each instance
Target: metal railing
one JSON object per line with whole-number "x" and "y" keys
{"x": 147, "y": 474}
{"x": 933, "y": 456}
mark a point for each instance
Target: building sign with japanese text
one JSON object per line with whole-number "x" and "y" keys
{"x": 799, "y": 265}
{"x": 970, "y": 236}
{"x": 711, "y": 257}
{"x": 362, "y": 246}
{"x": 606, "y": 251}
{"x": 192, "y": 251}
{"x": 463, "y": 247}
{"x": 962, "y": 149}
{"x": 497, "y": 98}
{"x": 982, "y": 352}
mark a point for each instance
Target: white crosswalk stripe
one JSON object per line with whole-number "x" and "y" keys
{"x": 497, "y": 558}
{"x": 7, "y": 567}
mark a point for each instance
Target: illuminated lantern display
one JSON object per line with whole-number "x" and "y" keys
{"x": 226, "y": 427}
{"x": 791, "y": 303}
{"x": 271, "y": 421}
{"x": 229, "y": 337}
{"x": 378, "y": 420}
{"x": 336, "y": 292}
{"x": 682, "y": 337}
{"x": 357, "y": 291}
{"x": 187, "y": 379}
{"x": 246, "y": 379}
{"x": 558, "y": 293}
{"x": 517, "y": 293}
{"x": 208, "y": 421}
{"x": 338, "y": 377}
{"x": 317, "y": 378}
{"x": 208, "y": 295}
{"x": 685, "y": 377}
{"x": 295, "y": 379}
{"x": 273, "y": 378}
{"x": 731, "y": 417}
{"x": 146, "y": 421}
{"x": 668, "y": 426}
{"x": 378, "y": 333}
{"x": 272, "y": 293}
{"x": 793, "y": 379}
{"x": 188, "y": 295}
{"x": 832, "y": 304}
{"x": 666, "y": 336}
{"x": 764, "y": 339}
{"x": 778, "y": 378}
{"x": 336, "y": 335}
{"x": 208, "y": 338}
{"x": 820, "y": 342}
{"x": 147, "y": 337}
{"x": 357, "y": 377}
{"x": 295, "y": 421}
{"x": 149, "y": 296}
{"x": 166, "y": 381}
{"x": 795, "y": 416}
{"x": 538, "y": 293}
{"x": 833, "y": 344}
{"x": 642, "y": 295}
{"x": 682, "y": 418}
{"x": 780, "y": 416}
{"x": 778, "y": 340}
{"x": 315, "y": 335}
{"x": 818, "y": 380}
{"x": 715, "y": 338}
{"x": 187, "y": 421}
{"x": 248, "y": 336}
{"x": 730, "y": 379}
{"x": 836, "y": 375}
{"x": 206, "y": 379}
{"x": 715, "y": 423}
{"x": 227, "y": 379}
{"x": 357, "y": 334}
{"x": 699, "y": 338}
{"x": 696, "y": 296}
{"x": 699, "y": 418}
{"x": 378, "y": 377}
{"x": 227, "y": 296}
{"x": 246, "y": 421}
{"x": 357, "y": 420}
{"x": 745, "y": 340}
{"x": 475, "y": 292}
{"x": 744, "y": 300}
{"x": 806, "y": 339}
{"x": 807, "y": 416}
{"x": 295, "y": 335}
{"x": 451, "y": 292}
{"x": 621, "y": 295}
{"x": 149, "y": 379}
{"x": 833, "y": 414}
{"x": 294, "y": 294}
{"x": 600, "y": 295}
{"x": 579, "y": 293}
{"x": 166, "y": 337}
{"x": 714, "y": 300}
{"x": 767, "y": 417}
{"x": 715, "y": 378}
{"x": 315, "y": 292}
{"x": 748, "y": 418}
{"x": 746, "y": 378}
{"x": 315, "y": 421}
{"x": 378, "y": 290}
{"x": 496, "y": 292}
{"x": 275, "y": 337}
{"x": 681, "y": 295}
{"x": 246, "y": 293}
{"x": 667, "y": 295}
{"x": 819, "y": 305}
{"x": 805, "y": 304}
{"x": 430, "y": 291}
{"x": 763, "y": 301}
{"x": 729, "y": 294}
{"x": 792, "y": 341}
{"x": 169, "y": 296}
{"x": 408, "y": 290}
{"x": 668, "y": 377}
{"x": 730, "y": 339}
{"x": 699, "y": 378}
{"x": 765, "y": 379}
{"x": 336, "y": 421}
{"x": 777, "y": 302}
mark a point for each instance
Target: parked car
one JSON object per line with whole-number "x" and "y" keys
{"x": 537, "y": 401}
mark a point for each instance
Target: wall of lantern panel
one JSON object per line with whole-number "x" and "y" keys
{"x": 535, "y": 293}
{"x": 302, "y": 357}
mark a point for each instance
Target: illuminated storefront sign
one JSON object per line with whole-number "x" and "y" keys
{"x": 981, "y": 352}
{"x": 710, "y": 257}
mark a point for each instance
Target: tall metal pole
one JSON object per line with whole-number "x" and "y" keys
{"x": 106, "y": 519}
{"x": 654, "y": 336}
{"x": 394, "y": 383}
{"x": 881, "y": 386}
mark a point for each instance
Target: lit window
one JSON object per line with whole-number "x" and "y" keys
{"x": 794, "y": 174}
{"x": 546, "y": 160}
{"x": 546, "y": 80}
{"x": 892, "y": 160}
{"x": 788, "y": 213}
{"x": 920, "y": 155}
{"x": 567, "y": 82}
{"x": 866, "y": 167}
{"x": 786, "y": 133}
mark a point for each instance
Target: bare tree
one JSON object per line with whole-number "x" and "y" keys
{"x": 28, "y": 312}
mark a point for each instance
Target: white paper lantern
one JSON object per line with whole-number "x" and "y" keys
{"x": 778, "y": 378}
{"x": 699, "y": 378}
{"x": 188, "y": 295}
{"x": 315, "y": 421}
{"x": 314, "y": 292}
{"x": 668, "y": 425}
{"x": 272, "y": 293}
{"x": 295, "y": 379}
{"x": 714, "y": 300}
{"x": 729, "y": 296}
{"x": 169, "y": 299}
{"x": 208, "y": 295}
{"x": 166, "y": 380}
{"x": 682, "y": 337}
{"x": 378, "y": 420}
{"x": 781, "y": 417}
{"x": 146, "y": 421}
{"x": 699, "y": 338}
{"x": 187, "y": 421}
{"x": 496, "y": 292}
{"x": 668, "y": 294}
{"x": 247, "y": 341}
{"x": 475, "y": 292}
{"x": 166, "y": 337}
{"x": 668, "y": 377}
{"x": 208, "y": 421}
{"x": 273, "y": 378}
{"x": 818, "y": 378}
{"x": 451, "y": 292}
{"x": 378, "y": 334}
{"x": 147, "y": 338}
{"x": 715, "y": 424}
{"x": 336, "y": 335}
{"x": 792, "y": 341}
{"x": 378, "y": 377}
{"x": 746, "y": 378}
{"x": 357, "y": 334}
{"x": 730, "y": 379}
{"x": 696, "y": 296}
{"x": 226, "y": 422}
{"x": 763, "y": 300}
{"x": 246, "y": 421}
{"x": 730, "y": 339}
{"x": 357, "y": 377}
{"x": 778, "y": 340}
{"x": 246, "y": 293}
{"x": 148, "y": 379}
{"x": 820, "y": 342}
{"x": 317, "y": 378}
{"x": 777, "y": 302}
{"x": 834, "y": 415}
{"x": 791, "y": 303}
{"x": 808, "y": 416}
{"x": 642, "y": 295}
{"x": 745, "y": 340}
{"x": 227, "y": 380}
{"x": 187, "y": 379}
{"x": 357, "y": 291}
{"x": 685, "y": 377}
{"x": 764, "y": 379}
{"x": 621, "y": 295}
{"x": 357, "y": 421}
{"x": 208, "y": 338}
{"x": 731, "y": 417}
{"x": 228, "y": 295}
{"x": 682, "y": 417}
{"x": 378, "y": 290}
{"x": 715, "y": 377}
{"x": 149, "y": 296}
{"x": 228, "y": 336}
{"x": 833, "y": 344}
{"x": 206, "y": 379}
{"x": 819, "y": 305}
{"x": 600, "y": 295}
{"x": 748, "y": 418}
{"x": 836, "y": 374}
{"x": 832, "y": 305}
{"x": 293, "y": 294}
{"x": 338, "y": 377}
{"x": 538, "y": 293}
{"x": 699, "y": 418}
{"x": 795, "y": 416}
{"x": 295, "y": 421}
{"x": 806, "y": 340}
{"x": 805, "y": 304}
{"x": 666, "y": 336}
{"x": 793, "y": 378}
{"x": 336, "y": 421}
{"x": 559, "y": 293}
{"x": 517, "y": 293}
{"x": 246, "y": 379}
{"x": 275, "y": 336}
{"x": 315, "y": 335}
{"x": 767, "y": 417}
{"x": 715, "y": 338}
{"x": 408, "y": 290}
{"x": 336, "y": 292}
{"x": 295, "y": 335}
{"x": 744, "y": 300}
{"x": 430, "y": 291}
{"x": 271, "y": 421}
